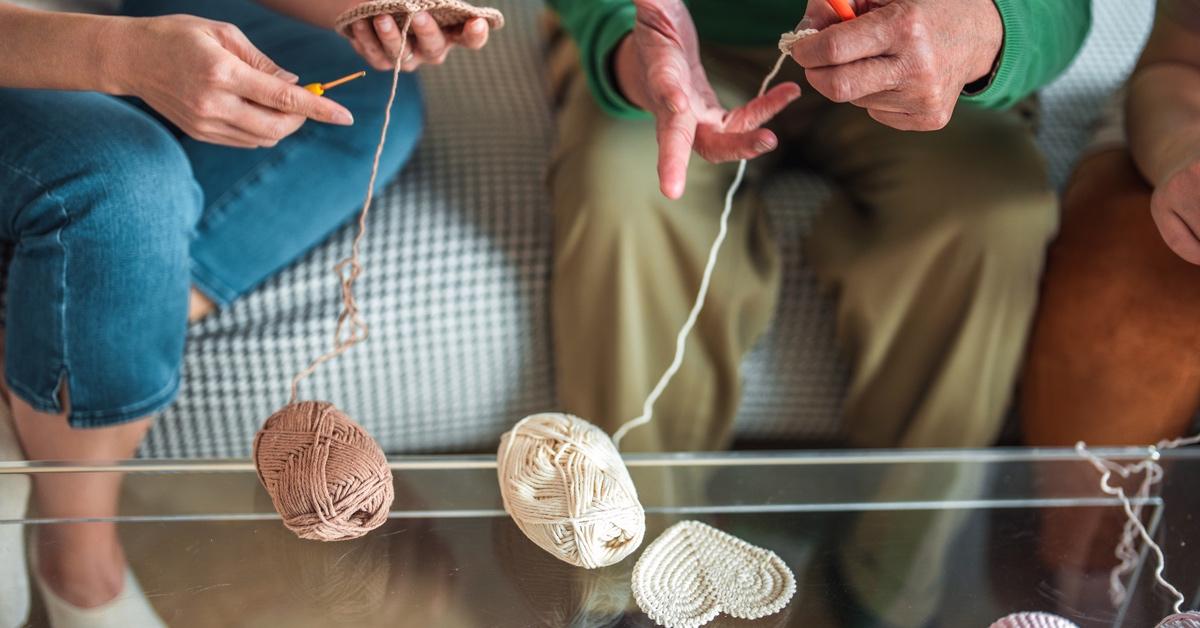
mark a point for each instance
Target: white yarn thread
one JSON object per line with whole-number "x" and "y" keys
{"x": 562, "y": 479}
{"x": 568, "y": 490}
{"x": 786, "y": 41}
{"x": 1126, "y": 551}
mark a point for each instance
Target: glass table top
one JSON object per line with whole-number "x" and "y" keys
{"x": 920, "y": 538}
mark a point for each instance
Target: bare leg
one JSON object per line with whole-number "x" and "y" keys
{"x": 82, "y": 562}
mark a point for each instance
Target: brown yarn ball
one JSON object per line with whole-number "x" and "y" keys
{"x": 326, "y": 476}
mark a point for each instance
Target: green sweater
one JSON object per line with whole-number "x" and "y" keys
{"x": 1040, "y": 39}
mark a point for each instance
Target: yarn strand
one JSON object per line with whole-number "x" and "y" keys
{"x": 1126, "y": 550}
{"x": 351, "y": 317}
{"x": 785, "y": 44}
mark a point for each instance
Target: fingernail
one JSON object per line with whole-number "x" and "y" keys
{"x": 386, "y": 24}
{"x": 421, "y": 19}
{"x": 286, "y": 76}
{"x": 478, "y": 27}
{"x": 343, "y": 117}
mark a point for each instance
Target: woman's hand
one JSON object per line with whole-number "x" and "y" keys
{"x": 1176, "y": 210}
{"x": 378, "y": 41}
{"x": 211, "y": 82}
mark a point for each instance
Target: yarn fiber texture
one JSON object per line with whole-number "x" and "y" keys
{"x": 1182, "y": 620}
{"x": 1034, "y": 620}
{"x": 694, "y": 572}
{"x": 566, "y": 487}
{"x": 326, "y": 476}
{"x": 447, "y": 13}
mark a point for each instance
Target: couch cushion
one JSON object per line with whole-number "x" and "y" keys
{"x": 458, "y": 262}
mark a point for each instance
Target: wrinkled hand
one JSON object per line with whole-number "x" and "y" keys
{"x": 904, "y": 61}
{"x": 211, "y": 82}
{"x": 378, "y": 41}
{"x": 657, "y": 67}
{"x": 1175, "y": 206}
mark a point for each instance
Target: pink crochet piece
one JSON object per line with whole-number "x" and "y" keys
{"x": 1034, "y": 620}
{"x": 1182, "y": 620}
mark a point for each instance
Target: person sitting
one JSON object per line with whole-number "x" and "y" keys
{"x": 132, "y": 206}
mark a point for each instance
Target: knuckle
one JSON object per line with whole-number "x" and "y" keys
{"x": 206, "y": 108}
{"x": 218, "y": 73}
{"x": 831, "y": 49}
{"x": 285, "y": 99}
{"x": 840, "y": 89}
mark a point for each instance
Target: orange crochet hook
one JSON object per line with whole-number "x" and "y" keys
{"x": 320, "y": 88}
{"x": 843, "y": 9}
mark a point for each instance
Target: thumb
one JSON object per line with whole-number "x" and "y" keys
{"x": 235, "y": 41}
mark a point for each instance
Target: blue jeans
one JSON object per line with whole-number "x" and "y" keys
{"x": 113, "y": 214}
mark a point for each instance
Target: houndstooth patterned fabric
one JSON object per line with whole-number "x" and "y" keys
{"x": 458, "y": 265}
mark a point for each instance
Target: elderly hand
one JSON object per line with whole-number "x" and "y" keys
{"x": 378, "y": 41}
{"x": 1175, "y": 206}
{"x": 211, "y": 82}
{"x": 657, "y": 67}
{"x": 904, "y": 61}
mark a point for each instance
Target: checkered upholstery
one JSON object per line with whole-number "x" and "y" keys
{"x": 458, "y": 264}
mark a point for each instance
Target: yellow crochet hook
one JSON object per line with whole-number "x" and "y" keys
{"x": 320, "y": 88}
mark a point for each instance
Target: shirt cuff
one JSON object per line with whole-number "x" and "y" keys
{"x": 599, "y": 68}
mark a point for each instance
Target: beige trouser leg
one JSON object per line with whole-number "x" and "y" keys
{"x": 627, "y": 264}
{"x": 935, "y": 249}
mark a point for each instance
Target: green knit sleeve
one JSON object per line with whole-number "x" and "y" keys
{"x": 1041, "y": 37}
{"x": 597, "y": 26}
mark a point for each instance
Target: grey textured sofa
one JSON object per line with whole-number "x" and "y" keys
{"x": 458, "y": 276}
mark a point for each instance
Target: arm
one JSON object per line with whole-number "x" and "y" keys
{"x": 32, "y": 54}
{"x": 1164, "y": 123}
{"x": 1164, "y": 98}
{"x": 1041, "y": 37}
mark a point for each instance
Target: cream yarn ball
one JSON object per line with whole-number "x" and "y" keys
{"x": 568, "y": 490}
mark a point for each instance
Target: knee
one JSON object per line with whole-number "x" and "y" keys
{"x": 1005, "y": 234}
{"x": 135, "y": 190}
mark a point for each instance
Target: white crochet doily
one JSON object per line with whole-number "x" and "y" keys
{"x": 693, "y": 572}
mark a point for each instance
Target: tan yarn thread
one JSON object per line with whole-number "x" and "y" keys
{"x": 326, "y": 476}
{"x": 694, "y": 572}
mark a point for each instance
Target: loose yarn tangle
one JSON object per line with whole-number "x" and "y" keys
{"x": 326, "y": 476}
{"x": 561, "y": 488}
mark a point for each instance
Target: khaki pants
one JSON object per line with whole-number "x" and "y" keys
{"x": 934, "y": 248}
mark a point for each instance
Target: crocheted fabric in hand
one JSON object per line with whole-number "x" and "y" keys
{"x": 446, "y": 13}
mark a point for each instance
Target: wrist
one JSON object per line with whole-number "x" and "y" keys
{"x": 990, "y": 44}
{"x": 624, "y": 67}
{"x": 113, "y": 39}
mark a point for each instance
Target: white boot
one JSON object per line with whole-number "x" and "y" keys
{"x": 14, "y": 499}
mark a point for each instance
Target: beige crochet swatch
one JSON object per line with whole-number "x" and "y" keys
{"x": 444, "y": 12}
{"x": 694, "y": 572}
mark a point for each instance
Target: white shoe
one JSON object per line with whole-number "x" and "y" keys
{"x": 130, "y": 609}
{"x": 14, "y": 498}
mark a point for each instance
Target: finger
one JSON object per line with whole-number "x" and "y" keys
{"x": 1178, "y": 235}
{"x": 388, "y": 34}
{"x": 234, "y": 40}
{"x": 762, "y": 109}
{"x": 858, "y": 79}
{"x": 222, "y": 134}
{"x": 717, "y": 147}
{"x": 868, "y": 36}
{"x": 474, "y": 34}
{"x": 431, "y": 42}
{"x": 267, "y": 126}
{"x": 273, "y": 93}
{"x": 371, "y": 47}
{"x": 676, "y": 135}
